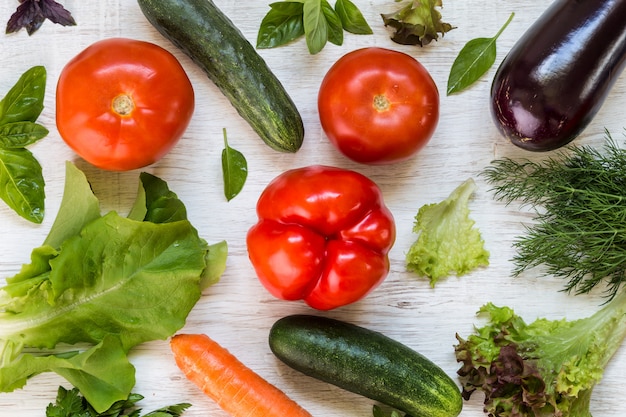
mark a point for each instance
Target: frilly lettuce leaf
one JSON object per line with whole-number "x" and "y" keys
{"x": 543, "y": 368}
{"x": 447, "y": 240}
{"x": 417, "y": 23}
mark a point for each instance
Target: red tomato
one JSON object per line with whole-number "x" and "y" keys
{"x": 122, "y": 104}
{"x": 323, "y": 236}
{"x": 378, "y": 106}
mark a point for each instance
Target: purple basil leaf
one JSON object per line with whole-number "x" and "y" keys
{"x": 32, "y": 13}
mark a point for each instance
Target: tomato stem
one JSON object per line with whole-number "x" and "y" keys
{"x": 123, "y": 105}
{"x": 381, "y": 103}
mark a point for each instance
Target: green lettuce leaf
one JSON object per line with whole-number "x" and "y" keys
{"x": 447, "y": 240}
{"x": 133, "y": 279}
{"x": 102, "y": 370}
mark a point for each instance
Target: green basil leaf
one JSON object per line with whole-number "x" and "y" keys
{"x": 281, "y": 25}
{"x": 24, "y": 101}
{"x": 22, "y": 183}
{"x": 352, "y": 19}
{"x": 234, "y": 169}
{"x": 473, "y": 61}
{"x": 21, "y": 134}
{"x": 315, "y": 26}
{"x": 335, "y": 29}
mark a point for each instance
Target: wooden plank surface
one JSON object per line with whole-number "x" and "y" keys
{"x": 238, "y": 312}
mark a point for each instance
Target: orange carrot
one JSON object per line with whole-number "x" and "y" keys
{"x": 232, "y": 385}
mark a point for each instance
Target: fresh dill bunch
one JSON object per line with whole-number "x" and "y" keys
{"x": 579, "y": 201}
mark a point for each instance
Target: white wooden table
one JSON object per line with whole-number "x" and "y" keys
{"x": 238, "y": 312}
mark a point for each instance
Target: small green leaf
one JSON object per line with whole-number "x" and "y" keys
{"x": 352, "y": 19}
{"x": 473, "y": 61}
{"x": 315, "y": 26}
{"x": 234, "y": 169}
{"x": 24, "y": 101}
{"x": 22, "y": 183}
{"x": 21, "y": 134}
{"x": 335, "y": 29}
{"x": 282, "y": 24}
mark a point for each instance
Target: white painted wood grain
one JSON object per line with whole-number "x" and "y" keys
{"x": 237, "y": 311}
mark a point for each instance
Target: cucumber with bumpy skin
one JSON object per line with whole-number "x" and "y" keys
{"x": 211, "y": 40}
{"x": 365, "y": 362}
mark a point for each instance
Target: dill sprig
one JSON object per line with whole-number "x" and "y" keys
{"x": 579, "y": 200}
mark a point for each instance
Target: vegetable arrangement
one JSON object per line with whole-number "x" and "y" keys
{"x": 102, "y": 284}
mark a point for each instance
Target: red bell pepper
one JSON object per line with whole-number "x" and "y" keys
{"x": 323, "y": 236}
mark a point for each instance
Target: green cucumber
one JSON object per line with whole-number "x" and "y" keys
{"x": 211, "y": 40}
{"x": 367, "y": 363}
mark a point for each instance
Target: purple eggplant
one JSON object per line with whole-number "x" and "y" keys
{"x": 556, "y": 77}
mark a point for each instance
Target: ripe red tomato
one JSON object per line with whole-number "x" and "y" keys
{"x": 122, "y": 104}
{"x": 378, "y": 106}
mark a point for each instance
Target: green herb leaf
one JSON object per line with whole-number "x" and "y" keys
{"x": 21, "y": 180}
{"x": 335, "y": 28}
{"x": 22, "y": 183}
{"x": 234, "y": 169}
{"x": 352, "y": 19}
{"x": 24, "y": 101}
{"x": 473, "y": 61}
{"x": 21, "y": 134}
{"x": 577, "y": 198}
{"x": 282, "y": 24}
{"x": 316, "y": 20}
{"x": 315, "y": 26}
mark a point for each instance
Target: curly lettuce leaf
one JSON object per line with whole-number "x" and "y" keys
{"x": 96, "y": 277}
{"x": 547, "y": 367}
{"x": 447, "y": 240}
{"x": 417, "y": 23}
